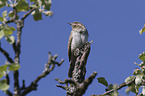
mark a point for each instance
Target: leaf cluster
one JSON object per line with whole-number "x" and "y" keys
{"x": 34, "y": 7}
{"x": 138, "y": 77}
{"x": 4, "y": 70}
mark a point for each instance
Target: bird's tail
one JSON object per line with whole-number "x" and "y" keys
{"x": 71, "y": 68}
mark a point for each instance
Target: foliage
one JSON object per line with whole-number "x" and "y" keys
{"x": 4, "y": 70}
{"x": 34, "y": 7}
{"x": 142, "y": 30}
{"x": 134, "y": 82}
{"x": 38, "y": 8}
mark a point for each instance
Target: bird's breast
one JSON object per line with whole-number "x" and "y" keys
{"x": 78, "y": 40}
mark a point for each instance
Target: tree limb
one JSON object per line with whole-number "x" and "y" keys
{"x": 77, "y": 84}
{"x": 6, "y": 54}
{"x": 49, "y": 66}
{"x": 119, "y": 87}
{"x": 27, "y": 14}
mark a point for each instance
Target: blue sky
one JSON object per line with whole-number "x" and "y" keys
{"x": 113, "y": 25}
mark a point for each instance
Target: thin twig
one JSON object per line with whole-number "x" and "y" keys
{"x": 8, "y": 82}
{"x": 27, "y": 14}
{"x": 6, "y": 54}
{"x": 48, "y": 68}
{"x": 119, "y": 87}
{"x": 15, "y": 16}
{"x": 8, "y": 93}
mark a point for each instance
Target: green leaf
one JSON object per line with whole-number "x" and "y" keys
{"x": 115, "y": 93}
{"x": 128, "y": 79}
{"x": 3, "y": 85}
{"x": 142, "y": 30}
{"x": 1, "y": 74}
{"x": 137, "y": 72}
{"x": 110, "y": 87}
{"x": 33, "y": 0}
{"x": 138, "y": 79}
{"x": 142, "y": 56}
{"x": 10, "y": 39}
{"x": 37, "y": 15}
{"x": 4, "y": 14}
{"x": 3, "y": 67}
{"x": 7, "y": 32}
{"x": 48, "y": 13}
{"x": 1, "y": 34}
{"x": 1, "y": 19}
{"x": 11, "y": 14}
{"x": 46, "y": 4}
{"x": 10, "y": 28}
{"x": 34, "y": 6}
{"x": 22, "y": 6}
{"x": 131, "y": 88}
{"x": 143, "y": 91}
{"x": 14, "y": 67}
{"x": 102, "y": 81}
{"x": 3, "y": 3}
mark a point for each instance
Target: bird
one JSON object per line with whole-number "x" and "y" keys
{"x": 77, "y": 39}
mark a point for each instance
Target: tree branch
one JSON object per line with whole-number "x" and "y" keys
{"x": 48, "y": 68}
{"x": 20, "y": 24}
{"x": 77, "y": 84}
{"x": 27, "y": 14}
{"x": 15, "y": 16}
{"x": 8, "y": 93}
{"x": 119, "y": 87}
{"x": 6, "y": 54}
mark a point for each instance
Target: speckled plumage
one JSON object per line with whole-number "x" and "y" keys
{"x": 78, "y": 37}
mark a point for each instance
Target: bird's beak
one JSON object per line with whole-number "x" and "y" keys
{"x": 69, "y": 23}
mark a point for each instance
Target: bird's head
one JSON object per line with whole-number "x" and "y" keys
{"x": 77, "y": 25}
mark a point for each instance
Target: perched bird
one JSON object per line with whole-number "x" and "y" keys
{"x": 77, "y": 39}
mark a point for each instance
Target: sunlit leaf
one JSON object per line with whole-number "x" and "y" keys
{"x": 3, "y": 67}
{"x": 128, "y": 79}
{"x": 1, "y": 19}
{"x": 4, "y": 14}
{"x": 11, "y": 14}
{"x": 7, "y": 32}
{"x": 115, "y": 93}
{"x": 138, "y": 79}
{"x": 142, "y": 56}
{"x": 137, "y": 72}
{"x": 1, "y": 34}
{"x": 2, "y": 3}
{"x": 10, "y": 39}
{"x": 142, "y": 30}
{"x": 102, "y": 81}
{"x": 37, "y": 15}
{"x": 3, "y": 85}
{"x": 48, "y": 13}
{"x": 10, "y": 28}
{"x": 131, "y": 88}
{"x": 22, "y": 5}
{"x": 33, "y": 0}
{"x": 46, "y": 4}
{"x": 143, "y": 91}
{"x": 14, "y": 67}
{"x": 34, "y": 6}
{"x": 1, "y": 74}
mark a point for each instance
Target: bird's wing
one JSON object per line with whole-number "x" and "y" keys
{"x": 69, "y": 47}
